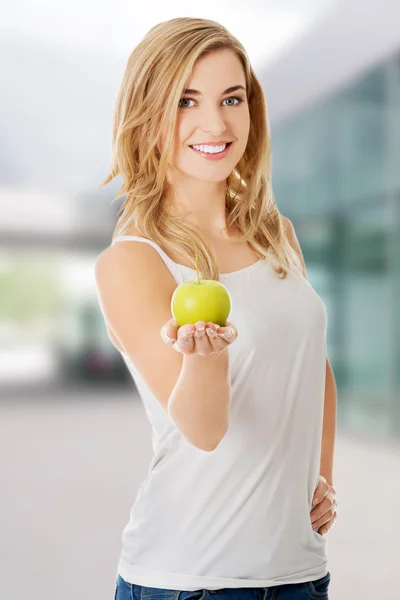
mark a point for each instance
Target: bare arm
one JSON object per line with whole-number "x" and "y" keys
{"x": 135, "y": 290}
{"x": 200, "y": 402}
{"x": 330, "y": 399}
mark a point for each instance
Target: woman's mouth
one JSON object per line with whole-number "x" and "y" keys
{"x": 215, "y": 154}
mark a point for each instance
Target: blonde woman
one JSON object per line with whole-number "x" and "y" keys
{"x": 236, "y": 409}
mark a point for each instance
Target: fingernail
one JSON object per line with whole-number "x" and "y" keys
{"x": 228, "y": 332}
{"x": 211, "y": 332}
{"x": 165, "y": 335}
{"x": 315, "y": 501}
{"x": 185, "y": 335}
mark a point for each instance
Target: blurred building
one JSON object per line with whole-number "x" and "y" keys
{"x": 334, "y": 107}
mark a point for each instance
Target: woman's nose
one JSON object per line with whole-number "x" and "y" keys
{"x": 213, "y": 127}
{"x": 212, "y": 122}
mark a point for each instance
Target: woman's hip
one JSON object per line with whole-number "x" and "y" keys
{"x": 309, "y": 590}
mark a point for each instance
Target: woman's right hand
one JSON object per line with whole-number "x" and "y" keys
{"x": 196, "y": 339}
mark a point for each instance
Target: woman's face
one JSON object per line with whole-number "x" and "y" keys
{"x": 211, "y": 115}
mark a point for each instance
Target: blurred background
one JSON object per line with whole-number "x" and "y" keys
{"x": 75, "y": 442}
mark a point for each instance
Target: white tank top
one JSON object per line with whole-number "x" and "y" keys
{"x": 239, "y": 516}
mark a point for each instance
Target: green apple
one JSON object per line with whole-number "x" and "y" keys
{"x": 200, "y": 300}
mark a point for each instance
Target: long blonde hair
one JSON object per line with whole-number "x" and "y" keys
{"x": 155, "y": 76}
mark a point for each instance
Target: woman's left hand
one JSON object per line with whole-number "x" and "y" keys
{"x": 324, "y": 513}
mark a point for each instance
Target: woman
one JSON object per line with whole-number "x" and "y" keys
{"x": 237, "y": 419}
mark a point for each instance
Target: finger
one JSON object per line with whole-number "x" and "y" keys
{"x": 172, "y": 328}
{"x": 323, "y": 517}
{"x": 218, "y": 343}
{"x": 319, "y": 494}
{"x": 328, "y": 525}
{"x": 169, "y": 331}
{"x": 327, "y": 504}
{"x": 184, "y": 342}
{"x": 321, "y": 491}
{"x": 325, "y": 523}
{"x": 228, "y": 332}
{"x": 202, "y": 344}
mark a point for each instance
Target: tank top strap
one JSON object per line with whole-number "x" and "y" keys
{"x": 172, "y": 266}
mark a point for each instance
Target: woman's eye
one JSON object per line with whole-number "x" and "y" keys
{"x": 239, "y": 101}
{"x": 185, "y": 99}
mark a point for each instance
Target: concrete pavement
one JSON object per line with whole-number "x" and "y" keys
{"x": 70, "y": 469}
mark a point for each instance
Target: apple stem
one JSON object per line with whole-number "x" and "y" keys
{"x": 197, "y": 270}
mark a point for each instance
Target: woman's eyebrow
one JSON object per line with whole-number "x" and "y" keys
{"x": 227, "y": 91}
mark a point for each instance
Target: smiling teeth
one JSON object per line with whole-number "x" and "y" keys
{"x": 210, "y": 149}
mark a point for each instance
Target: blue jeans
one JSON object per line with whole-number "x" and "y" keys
{"x": 314, "y": 590}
